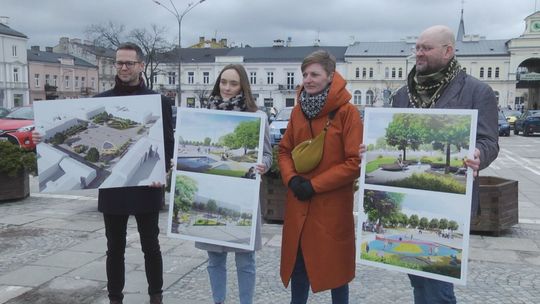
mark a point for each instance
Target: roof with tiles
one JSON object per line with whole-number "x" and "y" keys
{"x": 50, "y": 57}
{"x": 6, "y": 30}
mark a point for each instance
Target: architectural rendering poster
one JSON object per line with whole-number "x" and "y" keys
{"x": 215, "y": 189}
{"x": 103, "y": 142}
{"x": 415, "y": 192}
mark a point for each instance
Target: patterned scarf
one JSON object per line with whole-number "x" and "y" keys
{"x": 237, "y": 103}
{"x": 425, "y": 90}
{"x": 312, "y": 104}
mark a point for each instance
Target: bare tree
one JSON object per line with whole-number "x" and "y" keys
{"x": 203, "y": 94}
{"x": 109, "y": 35}
{"x": 152, "y": 42}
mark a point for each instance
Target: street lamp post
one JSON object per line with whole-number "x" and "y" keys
{"x": 179, "y": 17}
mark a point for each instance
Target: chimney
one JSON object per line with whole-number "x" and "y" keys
{"x": 76, "y": 40}
{"x": 223, "y": 42}
{"x": 201, "y": 39}
{"x": 35, "y": 48}
{"x": 214, "y": 40}
{"x": 49, "y": 49}
{"x": 278, "y": 43}
{"x": 4, "y": 20}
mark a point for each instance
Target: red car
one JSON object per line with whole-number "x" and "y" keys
{"x": 17, "y": 127}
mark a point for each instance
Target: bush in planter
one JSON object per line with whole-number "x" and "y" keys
{"x": 13, "y": 160}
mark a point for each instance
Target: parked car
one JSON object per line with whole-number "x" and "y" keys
{"x": 17, "y": 126}
{"x": 531, "y": 124}
{"x": 278, "y": 125}
{"x": 520, "y": 125}
{"x": 504, "y": 126}
{"x": 3, "y": 112}
{"x": 511, "y": 116}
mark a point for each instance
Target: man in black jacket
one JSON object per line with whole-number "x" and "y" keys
{"x": 117, "y": 204}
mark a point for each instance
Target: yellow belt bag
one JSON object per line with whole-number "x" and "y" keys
{"x": 308, "y": 154}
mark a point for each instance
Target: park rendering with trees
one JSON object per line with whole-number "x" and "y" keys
{"x": 415, "y": 193}
{"x": 213, "y": 143}
{"x": 419, "y": 151}
{"x": 401, "y": 231}
{"x": 215, "y": 189}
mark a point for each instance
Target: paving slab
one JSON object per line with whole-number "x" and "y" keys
{"x": 68, "y": 259}
{"x": 9, "y": 292}
{"x": 31, "y": 275}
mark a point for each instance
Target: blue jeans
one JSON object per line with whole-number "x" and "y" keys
{"x": 430, "y": 291}
{"x": 300, "y": 285}
{"x": 115, "y": 230}
{"x": 245, "y": 269}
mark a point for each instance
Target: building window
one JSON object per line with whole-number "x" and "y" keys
{"x": 93, "y": 83}
{"x": 82, "y": 82}
{"x": 370, "y": 73}
{"x": 364, "y": 74}
{"x": 172, "y": 77}
{"x": 270, "y": 77}
{"x": 290, "y": 80}
{"x": 206, "y": 77}
{"x": 400, "y": 73}
{"x": 289, "y": 102}
{"x": 55, "y": 80}
{"x": 497, "y": 96}
{"x": 190, "y": 101}
{"x": 386, "y": 72}
{"x": 465, "y": 70}
{"x": 15, "y": 74}
{"x": 66, "y": 82}
{"x": 14, "y": 50}
{"x": 489, "y": 73}
{"x": 393, "y": 72}
{"x": 155, "y": 77}
{"x": 357, "y": 73}
{"x": 497, "y": 72}
{"x": 357, "y": 97}
{"x": 252, "y": 77}
{"x": 47, "y": 79}
{"x": 76, "y": 81}
{"x": 482, "y": 72}
{"x": 17, "y": 100}
{"x": 369, "y": 97}
{"x": 190, "y": 80}
{"x": 36, "y": 80}
{"x": 268, "y": 102}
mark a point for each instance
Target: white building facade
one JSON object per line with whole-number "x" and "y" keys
{"x": 13, "y": 67}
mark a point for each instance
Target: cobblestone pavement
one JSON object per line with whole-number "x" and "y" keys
{"x": 52, "y": 251}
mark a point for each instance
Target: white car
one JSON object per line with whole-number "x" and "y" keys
{"x": 278, "y": 125}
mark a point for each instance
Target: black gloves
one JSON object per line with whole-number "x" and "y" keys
{"x": 301, "y": 187}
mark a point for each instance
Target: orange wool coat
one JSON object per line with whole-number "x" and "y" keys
{"x": 323, "y": 226}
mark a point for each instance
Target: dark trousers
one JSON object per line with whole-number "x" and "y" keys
{"x": 430, "y": 291}
{"x": 115, "y": 230}
{"x": 300, "y": 285}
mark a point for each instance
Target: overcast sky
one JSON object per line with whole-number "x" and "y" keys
{"x": 259, "y": 22}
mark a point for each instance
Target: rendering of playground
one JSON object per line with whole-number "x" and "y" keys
{"x": 413, "y": 232}
{"x": 418, "y": 151}
{"x": 218, "y": 144}
{"x": 208, "y": 208}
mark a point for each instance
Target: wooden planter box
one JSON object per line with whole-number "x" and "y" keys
{"x": 498, "y": 205}
{"x": 13, "y": 188}
{"x": 273, "y": 194}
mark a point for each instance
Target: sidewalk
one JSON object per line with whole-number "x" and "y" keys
{"x": 52, "y": 250}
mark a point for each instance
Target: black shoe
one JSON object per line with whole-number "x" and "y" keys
{"x": 156, "y": 299}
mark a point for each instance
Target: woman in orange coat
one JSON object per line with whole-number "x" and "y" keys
{"x": 318, "y": 246}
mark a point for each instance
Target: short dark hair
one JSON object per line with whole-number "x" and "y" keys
{"x": 322, "y": 57}
{"x": 132, "y": 46}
